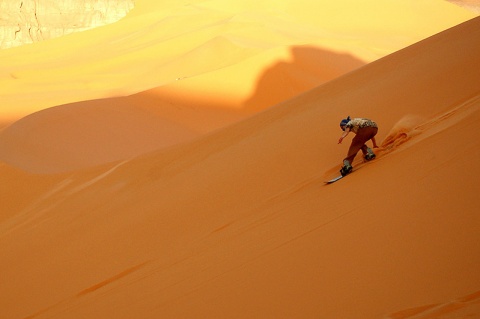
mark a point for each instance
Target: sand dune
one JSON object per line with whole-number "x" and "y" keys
{"x": 158, "y": 44}
{"x": 106, "y": 130}
{"x": 472, "y": 5}
{"x": 206, "y": 66}
{"x": 235, "y": 221}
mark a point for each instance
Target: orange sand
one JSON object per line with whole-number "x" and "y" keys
{"x": 136, "y": 182}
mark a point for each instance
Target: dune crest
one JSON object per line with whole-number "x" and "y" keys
{"x": 213, "y": 65}
{"x": 238, "y": 222}
{"x": 160, "y": 44}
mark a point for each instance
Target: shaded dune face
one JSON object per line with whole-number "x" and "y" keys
{"x": 206, "y": 66}
{"x": 111, "y": 129}
{"x": 232, "y": 219}
{"x": 31, "y": 21}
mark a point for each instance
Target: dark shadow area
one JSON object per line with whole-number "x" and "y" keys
{"x": 87, "y": 133}
{"x": 309, "y": 67}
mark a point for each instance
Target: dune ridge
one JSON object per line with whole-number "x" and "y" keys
{"x": 237, "y": 223}
{"x": 253, "y": 57}
{"x": 153, "y": 45}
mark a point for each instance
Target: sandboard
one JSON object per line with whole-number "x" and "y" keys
{"x": 333, "y": 180}
{"x": 356, "y": 165}
{"x": 355, "y": 168}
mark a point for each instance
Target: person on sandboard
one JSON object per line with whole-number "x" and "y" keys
{"x": 365, "y": 130}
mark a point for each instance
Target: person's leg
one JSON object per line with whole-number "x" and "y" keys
{"x": 365, "y": 149}
{"x": 368, "y": 133}
{"x": 346, "y": 168}
{"x": 368, "y": 153}
{"x": 358, "y": 143}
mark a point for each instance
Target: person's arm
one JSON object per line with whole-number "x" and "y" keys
{"x": 347, "y": 130}
{"x": 374, "y": 142}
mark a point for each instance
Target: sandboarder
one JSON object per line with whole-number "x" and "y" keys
{"x": 365, "y": 130}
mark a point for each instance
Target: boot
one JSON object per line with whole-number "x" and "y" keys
{"x": 370, "y": 155}
{"x": 346, "y": 169}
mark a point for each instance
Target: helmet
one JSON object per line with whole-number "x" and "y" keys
{"x": 344, "y": 121}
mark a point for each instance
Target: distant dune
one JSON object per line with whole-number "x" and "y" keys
{"x": 472, "y": 5}
{"x": 212, "y": 48}
{"x": 25, "y": 22}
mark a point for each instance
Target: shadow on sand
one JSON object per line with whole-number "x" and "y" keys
{"x": 309, "y": 67}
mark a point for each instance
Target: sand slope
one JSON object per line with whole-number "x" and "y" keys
{"x": 206, "y": 64}
{"x": 239, "y": 224}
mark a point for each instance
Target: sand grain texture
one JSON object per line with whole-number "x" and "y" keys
{"x": 229, "y": 217}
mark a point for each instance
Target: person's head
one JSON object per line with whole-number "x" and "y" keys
{"x": 343, "y": 123}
